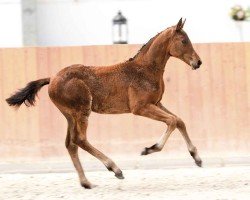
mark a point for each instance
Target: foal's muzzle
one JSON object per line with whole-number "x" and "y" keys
{"x": 196, "y": 65}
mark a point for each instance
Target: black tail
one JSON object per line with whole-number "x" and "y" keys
{"x": 27, "y": 95}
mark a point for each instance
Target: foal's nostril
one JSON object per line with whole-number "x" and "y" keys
{"x": 199, "y": 62}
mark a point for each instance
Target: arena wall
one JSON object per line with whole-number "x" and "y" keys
{"x": 214, "y": 101}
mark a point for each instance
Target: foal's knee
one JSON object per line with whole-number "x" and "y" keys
{"x": 78, "y": 140}
{"x": 180, "y": 123}
{"x": 172, "y": 122}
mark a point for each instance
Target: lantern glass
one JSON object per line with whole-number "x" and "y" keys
{"x": 120, "y": 34}
{"x": 120, "y": 29}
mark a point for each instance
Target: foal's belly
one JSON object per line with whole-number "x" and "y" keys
{"x": 110, "y": 106}
{"x": 110, "y": 101}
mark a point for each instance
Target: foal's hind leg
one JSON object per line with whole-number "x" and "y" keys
{"x": 73, "y": 98}
{"x": 73, "y": 152}
{"x": 81, "y": 140}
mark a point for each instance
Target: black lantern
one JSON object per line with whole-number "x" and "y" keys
{"x": 120, "y": 29}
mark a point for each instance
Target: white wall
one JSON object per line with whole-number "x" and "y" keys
{"x": 10, "y": 23}
{"x": 84, "y": 22}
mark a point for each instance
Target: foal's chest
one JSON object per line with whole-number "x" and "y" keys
{"x": 152, "y": 88}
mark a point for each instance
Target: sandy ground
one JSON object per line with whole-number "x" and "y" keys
{"x": 184, "y": 183}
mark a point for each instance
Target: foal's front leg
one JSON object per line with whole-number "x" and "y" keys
{"x": 154, "y": 112}
{"x": 182, "y": 128}
{"x": 158, "y": 112}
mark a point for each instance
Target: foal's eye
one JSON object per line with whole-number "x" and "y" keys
{"x": 184, "y": 41}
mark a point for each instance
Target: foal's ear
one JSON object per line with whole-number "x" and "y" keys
{"x": 183, "y": 23}
{"x": 180, "y": 25}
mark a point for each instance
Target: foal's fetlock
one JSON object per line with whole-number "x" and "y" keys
{"x": 152, "y": 149}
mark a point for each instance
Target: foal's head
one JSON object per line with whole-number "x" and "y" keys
{"x": 181, "y": 47}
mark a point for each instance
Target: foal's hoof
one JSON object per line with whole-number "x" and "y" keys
{"x": 88, "y": 185}
{"x": 198, "y": 163}
{"x": 145, "y": 151}
{"x": 119, "y": 175}
{"x": 152, "y": 149}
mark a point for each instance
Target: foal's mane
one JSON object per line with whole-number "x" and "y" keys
{"x": 145, "y": 46}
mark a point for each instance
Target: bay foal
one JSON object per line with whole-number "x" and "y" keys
{"x": 135, "y": 86}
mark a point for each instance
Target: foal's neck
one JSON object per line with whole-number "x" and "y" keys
{"x": 156, "y": 54}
